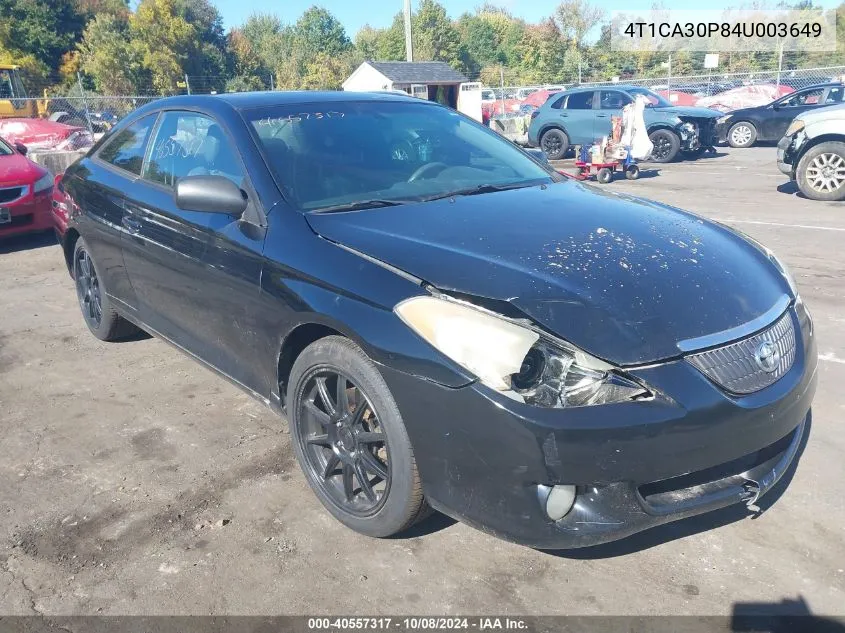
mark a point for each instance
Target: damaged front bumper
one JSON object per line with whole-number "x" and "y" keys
{"x": 483, "y": 458}
{"x": 696, "y": 134}
{"x": 789, "y": 149}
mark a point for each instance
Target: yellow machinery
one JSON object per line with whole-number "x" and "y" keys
{"x": 13, "y": 97}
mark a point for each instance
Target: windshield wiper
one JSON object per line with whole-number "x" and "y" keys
{"x": 478, "y": 189}
{"x": 361, "y": 204}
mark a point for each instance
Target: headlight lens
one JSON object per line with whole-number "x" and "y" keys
{"x": 514, "y": 359}
{"x": 796, "y": 126}
{"x": 722, "y": 119}
{"x": 44, "y": 183}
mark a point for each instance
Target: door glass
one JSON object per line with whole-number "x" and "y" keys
{"x": 613, "y": 100}
{"x": 580, "y": 101}
{"x": 126, "y": 149}
{"x": 834, "y": 95}
{"x": 558, "y": 104}
{"x": 190, "y": 144}
{"x": 808, "y": 97}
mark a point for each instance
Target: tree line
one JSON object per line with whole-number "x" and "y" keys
{"x": 118, "y": 51}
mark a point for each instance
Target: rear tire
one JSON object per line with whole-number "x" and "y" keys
{"x": 742, "y": 134}
{"x": 97, "y": 310}
{"x": 604, "y": 175}
{"x": 821, "y": 172}
{"x": 555, "y": 143}
{"x": 667, "y": 144}
{"x": 330, "y": 447}
{"x": 633, "y": 172}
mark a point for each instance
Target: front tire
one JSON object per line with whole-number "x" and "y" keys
{"x": 742, "y": 134}
{"x": 97, "y": 310}
{"x": 555, "y": 143}
{"x": 821, "y": 172}
{"x": 666, "y": 143}
{"x": 350, "y": 440}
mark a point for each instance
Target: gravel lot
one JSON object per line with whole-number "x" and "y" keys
{"x": 133, "y": 481}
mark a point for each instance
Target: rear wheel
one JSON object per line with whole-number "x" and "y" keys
{"x": 555, "y": 143}
{"x": 350, "y": 440}
{"x": 742, "y": 134}
{"x": 633, "y": 172}
{"x": 604, "y": 175}
{"x": 821, "y": 172}
{"x": 99, "y": 314}
{"x": 666, "y": 146}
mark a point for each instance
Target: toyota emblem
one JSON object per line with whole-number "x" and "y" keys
{"x": 767, "y": 357}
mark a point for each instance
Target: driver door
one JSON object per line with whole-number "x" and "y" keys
{"x": 788, "y": 108}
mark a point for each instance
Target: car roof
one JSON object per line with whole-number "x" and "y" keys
{"x": 243, "y": 100}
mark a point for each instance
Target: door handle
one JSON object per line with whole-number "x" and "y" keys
{"x": 131, "y": 224}
{"x": 601, "y": 116}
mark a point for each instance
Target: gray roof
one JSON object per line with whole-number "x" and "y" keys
{"x": 419, "y": 72}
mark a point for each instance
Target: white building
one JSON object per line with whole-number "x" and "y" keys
{"x": 435, "y": 81}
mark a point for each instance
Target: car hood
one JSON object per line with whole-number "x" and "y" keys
{"x": 690, "y": 111}
{"x": 623, "y": 278}
{"x": 16, "y": 169}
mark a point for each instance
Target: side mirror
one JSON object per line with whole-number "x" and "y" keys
{"x": 21, "y": 148}
{"x": 211, "y": 194}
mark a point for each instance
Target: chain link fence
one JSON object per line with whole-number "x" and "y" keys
{"x": 78, "y": 104}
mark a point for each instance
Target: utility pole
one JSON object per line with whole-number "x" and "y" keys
{"x": 669, "y": 73}
{"x": 780, "y": 64}
{"x": 409, "y": 41}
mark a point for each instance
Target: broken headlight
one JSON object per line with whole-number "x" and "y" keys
{"x": 554, "y": 377}
{"x": 514, "y": 359}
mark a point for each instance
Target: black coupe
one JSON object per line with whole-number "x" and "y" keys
{"x": 445, "y": 321}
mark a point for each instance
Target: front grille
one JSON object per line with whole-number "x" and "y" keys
{"x": 8, "y": 194}
{"x": 735, "y": 367}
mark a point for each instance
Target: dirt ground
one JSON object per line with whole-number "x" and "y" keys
{"x": 133, "y": 481}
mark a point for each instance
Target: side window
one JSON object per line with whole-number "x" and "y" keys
{"x": 834, "y": 95}
{"x": 190, "y": 144}
{"x": 808, "y": 97}
{"x": 580, "y": 101}
{"x": 126, "y": 150}
{"x": 558, "y": 104}
{"x": 613, "y": 100}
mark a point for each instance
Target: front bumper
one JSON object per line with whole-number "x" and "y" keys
{"x": 636, "y": 465}
{"x": 789, "y": 149}
{"x": 696, "y": 133}
{"x": 29, "y": 214}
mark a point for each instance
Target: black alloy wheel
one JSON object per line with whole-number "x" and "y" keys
{"x": 341, "y": 437}
{"x": 88, "y": 289}
{"x": 666, "y": 146}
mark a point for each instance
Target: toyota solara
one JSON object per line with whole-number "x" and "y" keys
{"x": 444, "y": 320}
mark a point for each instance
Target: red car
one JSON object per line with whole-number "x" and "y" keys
{"x": 26, "y": 192}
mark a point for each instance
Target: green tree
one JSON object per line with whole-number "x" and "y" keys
{"x": 318, "y": 31}
{"x": 575, "y": 19}
{"x": 164, "y": 39}
{"x": 42, "y": 29}
{"x": 541, "y": 53}
{"x": 367, "y": 41}
{"x": 435, "y": 38}
{"x": 109, "y": 57}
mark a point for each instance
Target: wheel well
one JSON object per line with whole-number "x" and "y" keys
{"x": 553, "y": 126}
{"x": 662, "y": 126}
{"x": 824, "y": 138}
{"x": 68, "y": 245}
{"x": 297, "y": 340}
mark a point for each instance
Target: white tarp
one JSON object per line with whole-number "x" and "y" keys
{"x": 634, "y": 133}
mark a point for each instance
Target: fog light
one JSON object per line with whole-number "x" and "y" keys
{"x": 557, "y": 500}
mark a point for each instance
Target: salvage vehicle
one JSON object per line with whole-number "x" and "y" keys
{"x": 581, "y": 115}
{"x": 461, "y": 328}
{"x": 13, "y": 98}
{"x": 744, "y": 127}
{"x": 25, "y": 192}
{"x": 812, "y": 153}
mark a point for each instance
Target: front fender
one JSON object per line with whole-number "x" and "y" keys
{"x": 308, "y": 279}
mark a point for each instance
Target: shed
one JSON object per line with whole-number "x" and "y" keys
{"x": 435, "y": 81}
